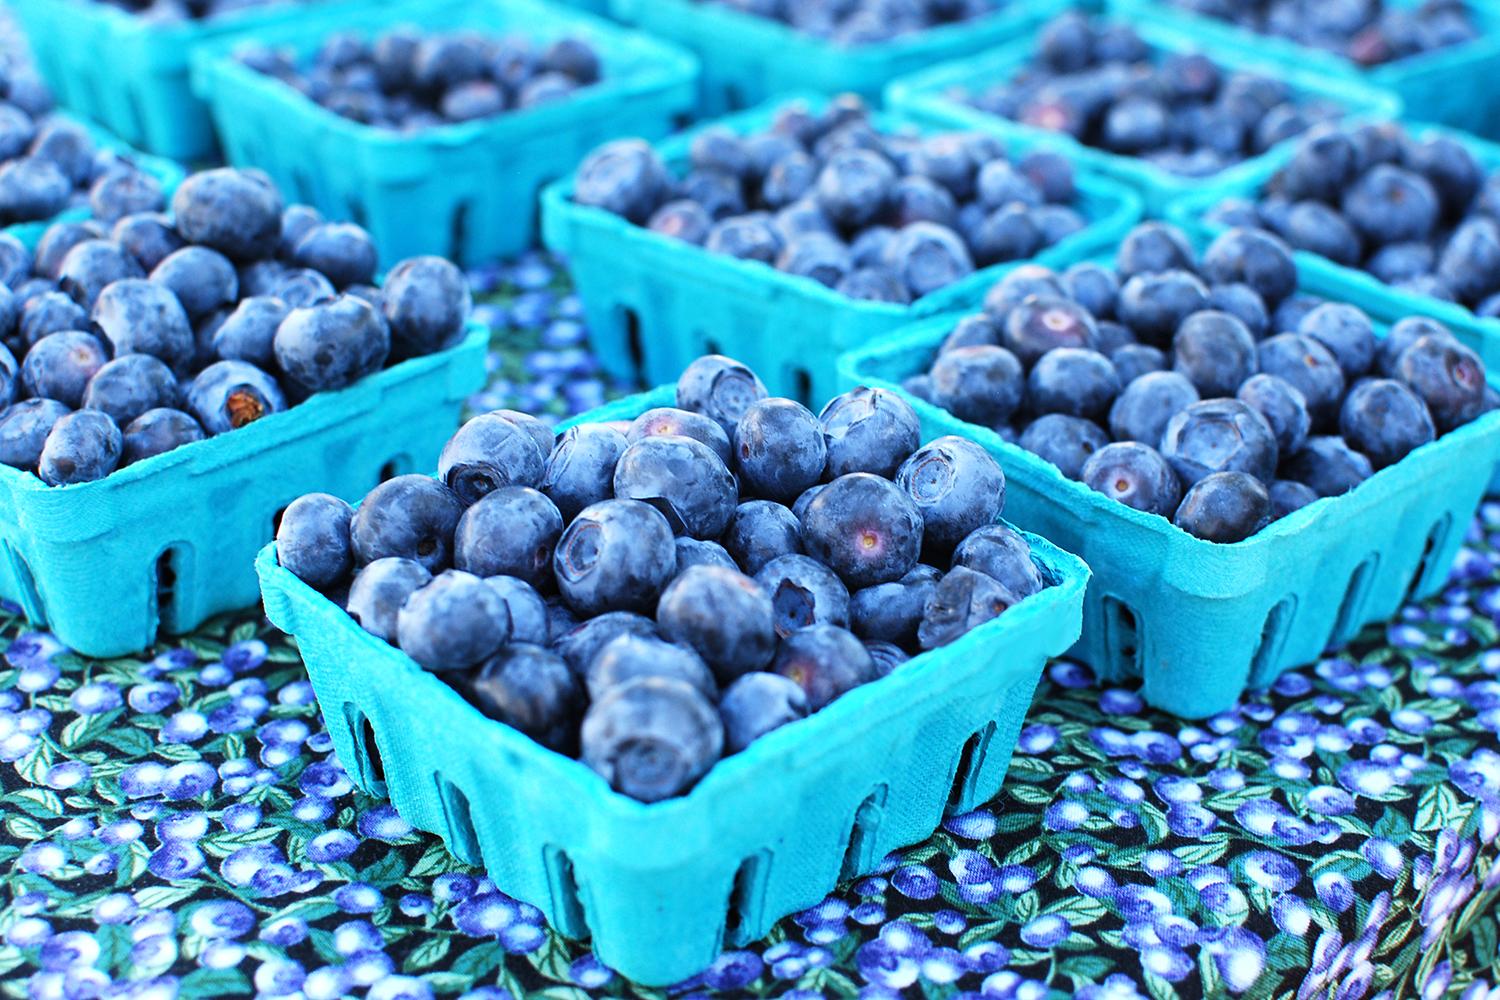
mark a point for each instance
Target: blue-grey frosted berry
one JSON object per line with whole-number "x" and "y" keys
{"x": 825, "y": 661}
{"x": 202, "y": 279}
{"x": 720, "y": 388}
{"x": 236, "y": 212}
{"x": 510, "y": 531}
{"x": 983, "y": 385}
{"x": 1328, "y": 465}
{"x": 24, "y": 428}
{"x": 581, "y": 468}
{"x": 683, "y": 479}
{"x": 671, "y": 420}
{"x": 454, "y": 623}
{"x": 228, "y": 395}
{"x": 865, "y": 528}
{"x": 333, "y": 344}
{"x": 1385, "y": 420}
{"x": 489, "y": 452}
{"x": 410, "y": 516}
{"x": 1224, "y": 507}
{"x": 81, "y": 447}
{"x": 963, "y": 600}
{"x": 341, "y": 251}
{"x": 722, "y": 614}
{"x": 1066, "y": 442}
{"x": 1282, "y": 405}
{"x": 868, "y": 430}
{"x": 531, "y": 690}
{"x": 1072, "y": 380}
{"x": 380, "y": 589}
{"x": 312, "y": 540}
{"x": 956, "y": 485}
{"x": 1141, "y": 411}
{"x": 1001, "y": 553}
{"x": 616, "y": 555}
{"x": 1288, "y": 495}
{"x": 1215, "y": 351}
{"x": 582, "y": 642}
{"x": 1310, "y": 368}
{"x": 158, "y": 431}
{"x": 779, "y": 449}
{"x": 756, "y": 704}
{"x": 130, "y": 385}
{"x": 759, "y": 531}
{"x": 1251, "y": 257}
{"x": 693, "y": 552}
{"x": 652, "y": 738}
{"x": 142, "y": 317}
{"x": 425, "y": 302}
{"x": 527, "y": 610}
{"x": 249, "y": 332}
{"x": 803, "y": 592}
{"x": 891, "y": 611}
{"x": 1448, "y": 376}
{"x": 1219, "y": 435}
{"x": 1134, "y": 474}
{"x": 60, "y": 365}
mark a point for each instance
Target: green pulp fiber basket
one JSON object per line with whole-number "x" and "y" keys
{"x": 655, "y": 303}
{"x": 662, "y": 888}
{"x": 1351, "y": 283}
{"x": 1200, "y": 623}
{"x": 931, "y": 96}
{"x": 748, "y": 59}
{"x": 171, "y": 541}
{"x": 131, "y": 75}
{"x": 1451, "y": 86}
{"x": 467, "y": 190}
{"x": 167, "y": 173}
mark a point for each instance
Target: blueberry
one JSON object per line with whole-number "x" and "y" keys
{"x": 1219, "y": 435}
{"x": 1449, "y": 167}
{"x": 983, "y": 385}
{"x": 1310, "y": 368}
{"x": 81, "y": 447}
{"x": 1470, "y": 261}
{"x": 891, "y": 611}
{"x": 870, "y": 430}
{"x": 1094, "y": 287}
{"x": 230, "y": 394}
{"x": 409, "y": 516}
{"x": 296, "y": 222}
{"x": 1283, "y": 407}
{"x": 1136, "y": 475}
{"x": 1134, "y": 360}
{"x": 147, "y": 236}
{"x": 1347, "y": 333}
{"x": 426, "y": 302}
{"x": 682, "y": 219}
{"x": 815, "y": 255}
{"x": 158, "y": 431}
{"x": 1328, "y": 465}
{"x": 510, "y": 531}
{"x": 312, "y": 540}
{"x": 130, "y": 385}
{"x": 666, "y": 420}
{"x": 652, "y": 738}
{"x": 746, "y": 237}
{"x": 1000, "y": 553}
{"x": 1287, "y": 496}
{"x": 31, "y": 189}
{"x": 1154, "y": 304}
{"x": 236, "y": 212}
{"x": 1021, "y": 283}
{"x": 124, "y": 191}
{"x": 300, "y": 286}
{"x": 854, "y": 186}
{"x": 779, "y": 449}
{"x": 489, "y": 452}
{"x": 1142, "y": 410}
{"x": 692, "y": 552}
{"x": 453, "y": 623}
{"x": 142, "y": 317}
{"x": 1066, "y": 442}
{"x": 722, "y": 614}
{"x": 683, "y": 478}
{"x": 1215, "y": 351}
{"x": 956, "y": 486}
{"x": 720, "y": 388}
{"x": 1153, "y": 247}
{"x": 1287, "y": 315}
{"x": 825, "y": 661}
{"x": 60, "y": 365}
{"x": 1319, "y": 229}
{"x": 757, "y": 703}
{"x": 1008, "y": 233}
{"x": 625, "y": 177}
{"x": 962, "y": 601}
{"x": 24, "y": 428}
{"x": 1252, "y": 258}
{"x": 615, "y": 555}
{"x": 760, "y": 531}
{"x": 1385, "y": 420}
{"x": 67, "y": 144}
{"x": 1399, "y": 262}
{"x": 974, "y": 330}
{"x": 1224, "y": 507}
{"x": 528, "y": 612}
{"x": 333, "y": 344}
{"x": 249, "y": 332}
{"x": 1321, "y": 167}
{"x": 803, "y": 592}
{"x": 92, "y": 265}
{"x": 1051, "y": 172}
{"x": 1075, "y": 381}
{"x": 864, "y": 528}
{"x": 531, "y": 690}
{"x": 999, "y": 183}
{"x": 928, "y": 257}
{"x": 581, "y": 469}
{"x": 1447, "y": 376}
{"x": 59, "y": 238}
{"x": 1389, "y": 204}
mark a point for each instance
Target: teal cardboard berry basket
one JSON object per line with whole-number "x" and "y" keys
{"x": 748, "y": 59}
{"x": 655, "y": 303}
{"x": 662, "y": 888}
{"x": 935, "y": 96}
{"x": 170, "y": 541}
{"x": 1351, "y": 282}
{"x": 468, "y": 190}
{"x": 1199, "y": 623}
{"x": 168, "y": 174}
{"x": 130, "y": 74}
{"x": 1450, "y": 86}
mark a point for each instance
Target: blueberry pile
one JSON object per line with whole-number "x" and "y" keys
{"x": 786, "y": 558}
{"x": 1206, "y": 390}
{"x": 862, "y": 22}
{"x": 48, "y": 164}
{"x": 885, "y": 217}
{"x": 1421, "y": 215}
{"x": 1369, "y": 32}
{"x": 410, "y": 79}
{"x": 1099, "y": 82}
{"x": 134, "y": 332}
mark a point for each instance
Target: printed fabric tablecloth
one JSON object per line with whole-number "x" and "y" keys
{"x": 175, "y": 824}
